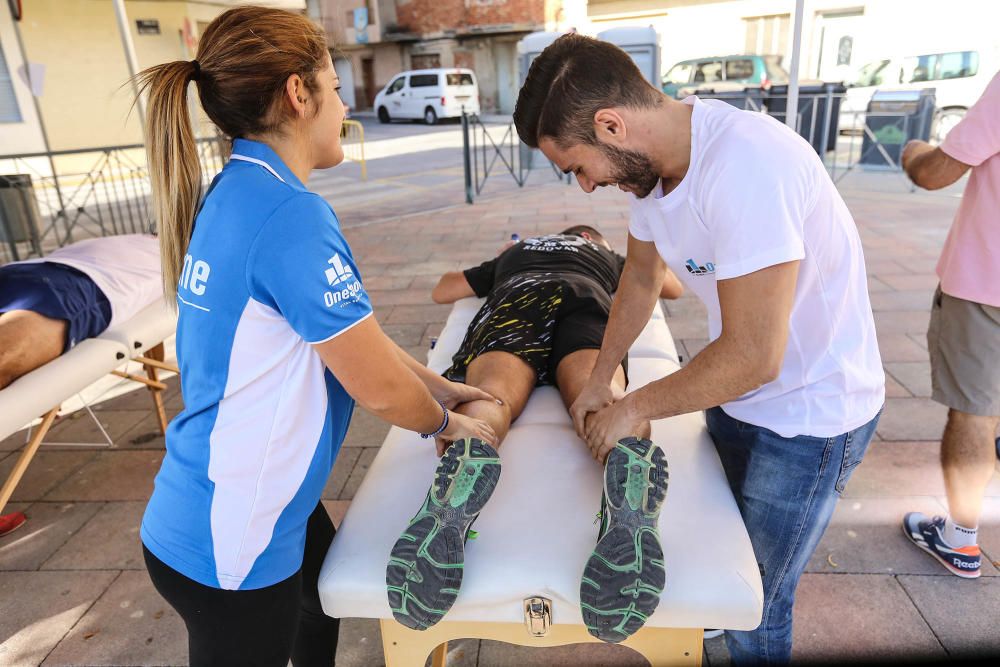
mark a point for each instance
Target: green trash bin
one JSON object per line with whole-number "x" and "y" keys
{"x": 895, "y": 117}
{"x": 19, "y": 216}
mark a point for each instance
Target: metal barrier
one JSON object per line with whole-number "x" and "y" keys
{"x": 483, "y": 154}
{"x": 352, "y": 139}
{"x": 844, "y": 139}
{"x": 68, "y": 195}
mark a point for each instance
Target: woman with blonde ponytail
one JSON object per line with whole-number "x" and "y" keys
{"x": 275, "y": 341}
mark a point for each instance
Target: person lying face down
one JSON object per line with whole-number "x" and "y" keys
{"x": 547, "y": 304}
{"x": 49, "y": 305}
{"x": 548, "y": 299}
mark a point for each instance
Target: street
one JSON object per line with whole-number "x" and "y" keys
{"x": 412, "y": 168}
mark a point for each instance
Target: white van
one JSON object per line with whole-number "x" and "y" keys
{"x": 958, "y": 79}
{"x": 429, "y": 94}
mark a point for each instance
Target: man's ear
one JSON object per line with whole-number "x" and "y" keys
{"x": 609, "y": 126}
{"x": 587, "y": 236}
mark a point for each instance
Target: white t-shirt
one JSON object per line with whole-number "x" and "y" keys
{"x": 126, "y": 268}
{"x": 756, "y": 195}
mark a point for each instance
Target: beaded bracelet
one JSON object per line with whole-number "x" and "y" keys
{"x": 444, "y": 424}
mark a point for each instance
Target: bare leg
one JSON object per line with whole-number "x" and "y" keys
{"x": 574, "y": 371}
{"x": 28, "y": 340}
{"x": 968, "y": 455}
{"x": 505, "y": 376}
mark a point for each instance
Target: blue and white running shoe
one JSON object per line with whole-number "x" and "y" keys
{"x": 926, "y": 533}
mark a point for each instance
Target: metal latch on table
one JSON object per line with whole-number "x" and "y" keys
{"x": 538, "y": 615}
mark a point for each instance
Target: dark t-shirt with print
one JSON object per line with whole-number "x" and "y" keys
{"x": 567, "y": 257}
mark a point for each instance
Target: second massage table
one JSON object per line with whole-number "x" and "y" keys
{"x": 522, "y": 573}
{"x": 135, "y": 344}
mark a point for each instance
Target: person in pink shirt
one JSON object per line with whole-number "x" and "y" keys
{"x": 963, "y": 337}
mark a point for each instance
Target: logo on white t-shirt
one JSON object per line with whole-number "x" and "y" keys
{"x": 694, "y": 269}
{"x": 338, "y": 273}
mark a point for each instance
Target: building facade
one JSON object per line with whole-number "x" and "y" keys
{"x": 376, "y": 39}
{"x": 79, "y": 70}
{"x": 838, "y": 36}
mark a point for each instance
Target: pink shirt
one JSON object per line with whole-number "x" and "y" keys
{"x": 969, "y": 267}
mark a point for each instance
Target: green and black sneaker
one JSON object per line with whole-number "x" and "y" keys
{"x": 426, "y": 564}
{"x": 624, "y": 577}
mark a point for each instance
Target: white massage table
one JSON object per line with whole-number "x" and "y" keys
{"x": 44, "y": 390}
{"x": 522, "y": 573}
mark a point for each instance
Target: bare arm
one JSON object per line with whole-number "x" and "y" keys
{"x": 672, "y": 287}
{"x": 929, "y": 167}
{"x": 451, "y": 287}
{"x": 450, "y": 393}
{"x": 749, "y": 352}
{"x": 366, "y": 363}
{"x": 638, "y": 289}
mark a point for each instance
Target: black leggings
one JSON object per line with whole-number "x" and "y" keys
{"x": 261, "y": 627}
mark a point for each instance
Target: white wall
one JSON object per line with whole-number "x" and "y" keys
{"x": 698, "y": 28}
{"x": 26, "y": 136}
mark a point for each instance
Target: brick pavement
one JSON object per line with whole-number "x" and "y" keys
{"x": 72, "y": 588}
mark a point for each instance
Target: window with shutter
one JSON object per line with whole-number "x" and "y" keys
{"x": 9, "y": 111}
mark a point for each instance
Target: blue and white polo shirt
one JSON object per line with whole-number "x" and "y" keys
{"x": 267, "y": 274}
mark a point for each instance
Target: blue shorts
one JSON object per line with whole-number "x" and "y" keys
{"x": 59, "y": 292}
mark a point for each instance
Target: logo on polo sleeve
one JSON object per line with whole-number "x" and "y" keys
{"x": 347, "y": 288}
{"x": 338, "y": 273}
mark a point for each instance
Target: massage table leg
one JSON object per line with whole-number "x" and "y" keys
{"x": 161, "y": 415}
{"x": 29, "y": 453}
{"x": 440, "y": 656}
{"x": 404, "y": 647}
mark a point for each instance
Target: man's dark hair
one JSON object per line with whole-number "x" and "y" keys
{"x": 569, "y": 82}
{"x": 578, "y": 230}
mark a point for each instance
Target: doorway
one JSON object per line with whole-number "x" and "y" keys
{"x": 841, "y": 46}
{"x": 503, "y": 53}
{"x": 368, "y": 81}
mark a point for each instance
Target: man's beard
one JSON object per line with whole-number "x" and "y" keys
{"x": 631, "y": 169}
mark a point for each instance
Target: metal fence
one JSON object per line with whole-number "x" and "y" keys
{"x": 496, "y": 149}
{"x": 48, "y": 200}
{"x": 352, "y": 138}
{"x": 848, "y": 141}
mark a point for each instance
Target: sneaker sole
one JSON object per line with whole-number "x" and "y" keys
{"x": 426, "y": 564}
{"x": 948, "y": 566}
{"x": 624, "y": 577}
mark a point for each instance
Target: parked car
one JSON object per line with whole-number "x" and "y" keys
{"x": 429, "y": 94}
{"x": 723, "y": 73}
{"x": 958, "y": 78}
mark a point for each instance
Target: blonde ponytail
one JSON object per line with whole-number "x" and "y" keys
{"x": 245, "y": 56}
{"x": 174, "y": 168}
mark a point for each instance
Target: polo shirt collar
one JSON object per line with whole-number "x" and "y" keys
{"x": 255, "y": 152}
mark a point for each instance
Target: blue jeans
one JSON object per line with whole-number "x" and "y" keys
{"x": 786, "y": 490}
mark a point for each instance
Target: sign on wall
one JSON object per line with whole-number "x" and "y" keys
{"x": 361, "y": 25}
{"x": 147, "y": 26}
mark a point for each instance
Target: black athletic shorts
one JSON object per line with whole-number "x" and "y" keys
{"x": 541, "y": 318}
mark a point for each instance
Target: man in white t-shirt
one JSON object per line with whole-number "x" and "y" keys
{"x": 49, "y": 304}
{"x": 741, "y": 208}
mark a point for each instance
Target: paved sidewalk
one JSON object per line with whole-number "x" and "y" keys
{"x": 72, "y": 585}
